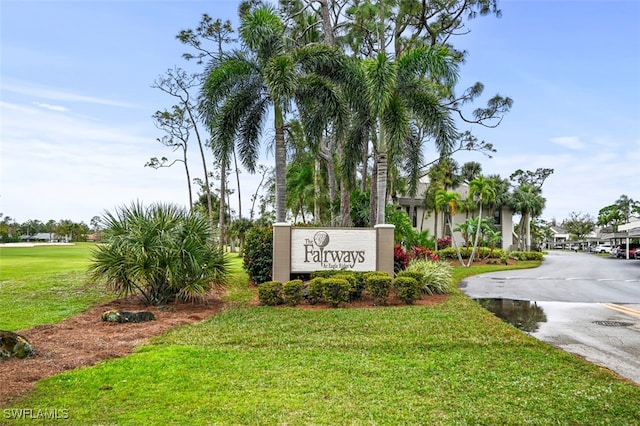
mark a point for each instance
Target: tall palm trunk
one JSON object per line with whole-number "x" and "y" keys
{"x": 186, "y": 170}
{"x": 326, "y": 153}
{"x": 475, "y": 242}
{"x": 435, "y": 224}
{"x": 235, "y": 162}
{"x": 365, "y": 167}
{"x": 345, "y": 199}
{"x": 281, "y": 165}
{"x": 223, "y": 190}
{"x": 381, "y": 189}
{"x": 317, "y": 190}
{"x": 373, "y": 195}
{"x": 453, "y": 240}
{"x": 381, "y": 178}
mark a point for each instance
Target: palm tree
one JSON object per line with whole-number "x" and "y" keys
{"x": 404, "y": 96}
{"x": 300, "y": 181}
{"x": 449, "y": 201}
{"x": 470, "y": 170}
{"x": 486, "y": 192}
{"x": 527, "y": 201}
{"x": 242, "y": 87}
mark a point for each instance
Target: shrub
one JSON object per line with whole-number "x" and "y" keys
{"x": 270, "y": 293}
{"x": 419, "y": 252}
{"x": 324, "y": 273}
{"x": 415, "y": 274}
{"x": 354, "y": 278}
{"x": 360, "y": 285}
{"x": 437, "y": 275}
{"x": 407, "y": 289}
{"x": 335, "y": 291}
{"x": 315, "y": 290}
{"x": 258, "y": 254}
{"x": 378, "y": 285}
{"x": 526, "y": 255}
{"x": 444, "y": 243}
{"x": 162, "y": 251}
{"x": 450, "y": 253}
{"x": 292, "y": 292}
{"x": 354, "y": 292}
{"x": 481, "y": 252}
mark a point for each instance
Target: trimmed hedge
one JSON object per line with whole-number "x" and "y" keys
{"x": 269, "y": 293}
{"x": 526, "y": 255}
{"x": 335, "y": 291}
{"x": 378, "y": 285}
{"x": 481, "y": 253}
{"x": 315, "y": 290}
{"x": 486, "y": 252}
{"x": 292, "y": 292}
{"x": 407, "y": 289}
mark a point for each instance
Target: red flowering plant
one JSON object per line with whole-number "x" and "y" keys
{"x": 419, "y": 252}
{"x": 401, "y": 258}
{"x": 444, "y": 242}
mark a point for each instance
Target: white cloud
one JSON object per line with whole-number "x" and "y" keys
{"x": 571, "y": 142}
{"x": 57, "y": 108}
{"x": 69, "y": 166}
{"x": 44, "y": 92}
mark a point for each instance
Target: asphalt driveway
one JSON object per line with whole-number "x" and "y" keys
{"x": 584, "y": 304}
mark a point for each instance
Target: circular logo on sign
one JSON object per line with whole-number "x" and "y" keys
{"x": 321, "y": 239}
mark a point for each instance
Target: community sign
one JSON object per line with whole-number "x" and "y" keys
{"x": 314, "y": 249}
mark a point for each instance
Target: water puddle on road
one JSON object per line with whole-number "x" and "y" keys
{"x": 523, "y": 314}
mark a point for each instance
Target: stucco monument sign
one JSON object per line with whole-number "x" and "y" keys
{"x": 304, "y": 250}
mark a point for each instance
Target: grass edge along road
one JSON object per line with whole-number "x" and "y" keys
{"x": 454, "y": 363}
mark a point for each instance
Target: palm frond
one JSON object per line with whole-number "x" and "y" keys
{"x": 435, "y": 120}
{"x": 262, "y": 32}
{"x": 380, "y": 77}
{"x": 438, "y": 64}
{"x": 280, "y": 77}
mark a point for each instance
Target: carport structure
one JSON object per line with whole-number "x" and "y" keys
{"x": 625, "y": 234}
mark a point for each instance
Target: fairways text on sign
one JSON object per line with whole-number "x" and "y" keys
{"x": 333, "y": 248}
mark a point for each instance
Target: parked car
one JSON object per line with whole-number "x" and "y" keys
{"x": 633, "y": 252}
{"x": 638, "y": 254}
{"x": 621, "y": 250}
{"x": 602, "y": 248}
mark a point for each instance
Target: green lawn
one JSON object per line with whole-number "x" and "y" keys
{"x": 19, "y": 262}
{"x": 45, "y": 284}
{"x": 448, "y": 364}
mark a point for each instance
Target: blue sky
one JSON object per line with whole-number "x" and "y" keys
{"x": 76, "y": 101}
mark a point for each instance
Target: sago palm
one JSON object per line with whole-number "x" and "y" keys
{"x": 162, "y": 252}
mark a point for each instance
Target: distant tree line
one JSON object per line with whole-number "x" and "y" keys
{"x": 13, "y": 231}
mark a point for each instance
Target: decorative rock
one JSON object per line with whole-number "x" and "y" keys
{"x": 116, "y": 315}
{"x": 12, "y": 344}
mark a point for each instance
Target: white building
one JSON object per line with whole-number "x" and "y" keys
{"x": 434, "y": 222}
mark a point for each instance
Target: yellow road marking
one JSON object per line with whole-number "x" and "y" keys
{"x": 623, "y": 309}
